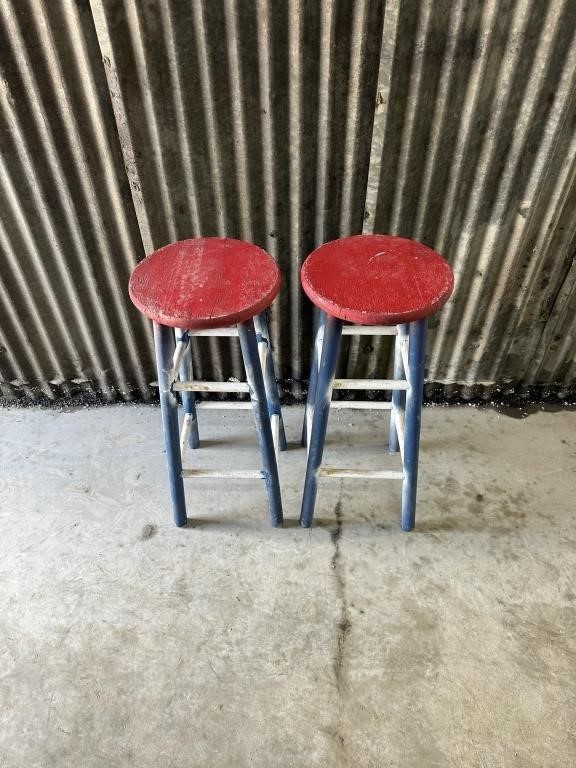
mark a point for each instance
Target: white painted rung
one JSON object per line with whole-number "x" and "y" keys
{"x": 181, "y": 347}
{"x": 369, "y": 330}
{"x": 224, "y": 405}
{"x": 262, "y": 353}
{"x": 370, "y": 384}
{"x": 359, "y": 405}
{"x": 185, "y": 432}
{"x": 210, "y": 386}
{"x": 215, "y": 332}
{"x": 275, "y": 425}
{"x": 364, "y": 474}
{"x": 404, "y": 353}
{"x": 398, "y": 416}
{"x": 233, "y": 474}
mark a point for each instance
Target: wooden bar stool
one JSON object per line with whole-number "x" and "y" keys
{"x": 386, "y": 285}
{"x": 212, "y": 287}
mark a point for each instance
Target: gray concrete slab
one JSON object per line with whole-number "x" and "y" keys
{"x": 127, "y": 642}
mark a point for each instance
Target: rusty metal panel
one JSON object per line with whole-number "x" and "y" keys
{"x": 126, "y": 125}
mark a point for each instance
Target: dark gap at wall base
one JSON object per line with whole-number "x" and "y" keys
{"x": 506, "y": 398}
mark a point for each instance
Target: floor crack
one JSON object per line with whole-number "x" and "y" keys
{"x": 343, "y": 627}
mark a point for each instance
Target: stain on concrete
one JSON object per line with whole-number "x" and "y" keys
{"x": 148, "y": 531}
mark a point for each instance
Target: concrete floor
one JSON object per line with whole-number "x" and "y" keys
{"x": 127, "y": 642}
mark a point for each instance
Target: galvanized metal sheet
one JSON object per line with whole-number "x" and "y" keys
{"x": 125, "y": 126}
{"x": 68, "y": 233}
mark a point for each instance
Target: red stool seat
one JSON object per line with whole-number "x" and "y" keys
{"x": 377, "y": 279}
{"x": 208, "y": 282}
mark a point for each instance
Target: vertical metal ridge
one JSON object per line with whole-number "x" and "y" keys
{"x": 123, "y": 124}
{"x": 469, "y": 112}
{"x": 354, "y": 105}
{"x": 454, "y": 25}
{"x": 235, "y": 75}
{"x": 182, "y": 125}
{"x": 238, "y": 120}
{"x": 152, "y": 126}
{"x": 325, "y": 95}
{"x": 295, "y": 181}
{"x": 207, "y": 90}
{"x": 382, "y": 112}
{"x": 27, "y": 358}
{"x": 559, "y": 208}
{"x": 265, "y": 52}
{"x": 410, "y": 115}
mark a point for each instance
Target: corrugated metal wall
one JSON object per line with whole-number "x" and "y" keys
{"x": 126, "y": 125}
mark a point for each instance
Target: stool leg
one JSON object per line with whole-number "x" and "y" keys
{"x": 274, "y": 409}
{"x": 317, "y": 337}
{"x": 164, "y": 344}
{"x": 413, "y": 411}
{"x": 188, "y": 398}
{"x": 332, "y": 328}
{"x": 398, "y": 395}
{"x": 249, "y": 346}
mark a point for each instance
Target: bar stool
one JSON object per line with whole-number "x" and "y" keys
{"x": 221, "y": 287}
{"x": 386, "y": 285}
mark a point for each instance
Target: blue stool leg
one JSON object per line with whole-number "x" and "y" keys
{"x": 332, "y": 327}
{"x": 398, "y": 395}
{"x": 317, "y": 338}
{"x": 164, "y": 344}
{"x": 274, "y": 409}
{"x": 188, "y": 398}
{"x": 413, "y": 411}
{"x": 249, "y": 346}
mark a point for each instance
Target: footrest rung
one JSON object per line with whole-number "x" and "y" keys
{"x": 215, "y": 332}
{"x": 365, "y": 474}
{"x": 369, "y": 330}
{"x": 224, "y": 405}
{"x": 210, "y": 386}
{"x": 231, "y": 474}
{"x": 370, "y": 384}
{"x": 358, "y": 405}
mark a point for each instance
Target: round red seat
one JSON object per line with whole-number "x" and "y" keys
{"x": 377, "y": 279}
{"x": 208, "y": 282}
